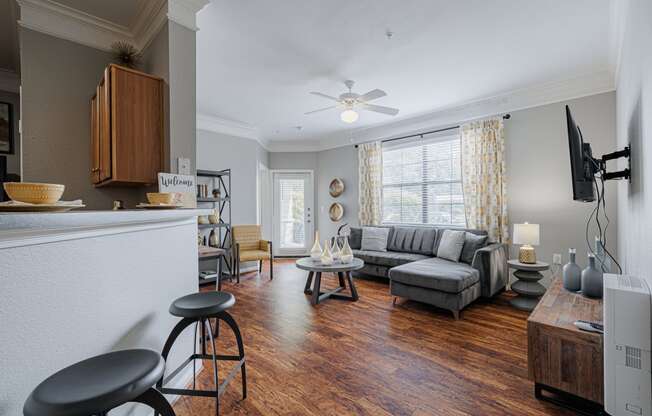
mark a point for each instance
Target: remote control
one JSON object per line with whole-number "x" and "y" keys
{"x": 589, "y": 326}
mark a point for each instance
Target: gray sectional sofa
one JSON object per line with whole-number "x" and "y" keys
{"x": 416, "y": 273}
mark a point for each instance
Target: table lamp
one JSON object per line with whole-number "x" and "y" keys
{"x": 527, "y": 235}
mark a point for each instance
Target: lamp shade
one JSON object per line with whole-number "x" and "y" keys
{"x": 526, "y": 234}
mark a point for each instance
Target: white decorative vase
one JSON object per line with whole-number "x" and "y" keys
{"x": 335, "y": 250}
{"x": 346, "y": 255}
{"x": 326, "y": 255}
{"x": 315, "y": 252}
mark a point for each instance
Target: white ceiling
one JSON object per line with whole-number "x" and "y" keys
{"x": 258, "y": 59}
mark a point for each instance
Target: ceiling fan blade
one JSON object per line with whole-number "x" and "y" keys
{"x": 372, "y": 95}
{"x": 321, "y": 109}
{"x": 381, "y": 109}
{"x": 319, "y": 94}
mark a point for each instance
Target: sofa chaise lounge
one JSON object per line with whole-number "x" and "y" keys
{"x": 415, "y": 272}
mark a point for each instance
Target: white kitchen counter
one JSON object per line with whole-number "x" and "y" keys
{"x": 78, "y": 284}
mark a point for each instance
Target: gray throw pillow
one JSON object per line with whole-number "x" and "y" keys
{"x": 355, "y": 238}
{"x": 374, "y": 238}
{"x": 451, "y": 245}
{"x": 472, "y": 243}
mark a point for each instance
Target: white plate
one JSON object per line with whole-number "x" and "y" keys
{"x": 39, "y": 208}
{"x": 158, "y": 206}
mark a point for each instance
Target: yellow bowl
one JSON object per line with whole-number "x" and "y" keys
{"x": 34, "y": 193}
{"x": 160, "y": 198}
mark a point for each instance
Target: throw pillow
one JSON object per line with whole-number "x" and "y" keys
{"x": 374, "y": 238}
{"x": 472, "y": 243}
{"x": 355, "y": 238}
{"x": 451, "y": 245}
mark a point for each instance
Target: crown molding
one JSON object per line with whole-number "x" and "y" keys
{"x": 215, "y": 124}
{"x": 58, "y": 20}
{"x": 519, "y": 99}
{"x": 184, "y": 12}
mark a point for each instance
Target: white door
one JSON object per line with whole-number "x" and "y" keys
{"x": 293, "y": 212}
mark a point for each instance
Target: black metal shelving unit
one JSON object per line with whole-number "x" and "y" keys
{"x": 221, "y": 180}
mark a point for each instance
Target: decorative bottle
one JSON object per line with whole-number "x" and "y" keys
{"x": 592, "y": 284}
{"x": 315, "y": 252}
{"x": 326, "y": 255}
{"x": 335, "y": 249}
{"x": 347, "y": 254}
{"x": 603, "y": 261}
{"x": 572, "y": 273}
{"x": 212, "y": 239}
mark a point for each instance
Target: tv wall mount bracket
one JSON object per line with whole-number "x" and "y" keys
{"x": 621, "y": 174}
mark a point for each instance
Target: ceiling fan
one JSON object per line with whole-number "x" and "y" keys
{"x": 350, "y": 101}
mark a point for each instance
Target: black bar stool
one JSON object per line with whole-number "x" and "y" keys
{"x": 99, "y": 384}
{"x": 199, "y": 309}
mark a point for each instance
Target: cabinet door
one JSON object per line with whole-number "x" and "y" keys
{"x": 136, "y": 126}
{"x": 104, "y": 128}
{"x": 95, "y": 144}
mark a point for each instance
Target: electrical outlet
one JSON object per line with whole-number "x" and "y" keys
{"x": 556, "y": 258}
{"x": 183, "y": 166}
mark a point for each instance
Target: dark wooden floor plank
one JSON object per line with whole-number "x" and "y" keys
{"x": 370, "y": 357}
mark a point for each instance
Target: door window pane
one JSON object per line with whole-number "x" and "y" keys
{"x": 292, "y": 214}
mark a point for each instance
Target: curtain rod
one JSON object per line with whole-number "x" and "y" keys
{"x": 505, "y": 117}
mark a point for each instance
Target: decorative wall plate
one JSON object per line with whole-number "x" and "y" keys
{"x": 336, "y": 211}
{"x": 336, "y": 188}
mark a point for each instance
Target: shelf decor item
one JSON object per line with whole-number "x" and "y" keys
{"x": 214, "y": 218}
{"x": 336, "y": 211}
{"x": 527, "y": 235}
{"x": 347, "y": 254}
{"x": 592, "y": 284}
{"x": 326, "y": 256}
{"x": 212, "y": 239}
{"x": 572, "y": 273}
{"x": 336, "y": 187}
{"x": 315, "y": 251}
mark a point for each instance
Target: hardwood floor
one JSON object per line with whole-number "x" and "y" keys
{"x": 369, "y": 357}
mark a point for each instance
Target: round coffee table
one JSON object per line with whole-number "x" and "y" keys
{"x": 528, "y": 288}
{"x": 343, "y": 270}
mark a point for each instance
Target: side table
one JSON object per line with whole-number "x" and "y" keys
{"x": 527, "y": 287}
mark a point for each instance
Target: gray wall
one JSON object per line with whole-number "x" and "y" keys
{"x": 58, "y": 80}
{"x": 340, "y": 163}
{"x": 539, "y": 188}
{"x": 217, "y": 151}
{"x": 183, "y": 90}
{"x": 634, "y": 112}
{"x": 13, "y": 160}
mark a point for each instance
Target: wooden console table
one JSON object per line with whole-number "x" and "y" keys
{"x": 563, "y": 361}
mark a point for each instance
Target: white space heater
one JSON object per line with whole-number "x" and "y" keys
{"x": 627, "y": 338}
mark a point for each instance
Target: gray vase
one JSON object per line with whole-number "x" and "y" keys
{"x": 572, "y": 273}
{"x": 592, "y": 280}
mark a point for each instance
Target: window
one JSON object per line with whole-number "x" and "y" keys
{"x": 422, "y": 181}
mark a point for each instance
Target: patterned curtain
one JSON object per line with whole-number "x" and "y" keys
{"x": 370, "y": 173}
{"x": 484, "y": 177}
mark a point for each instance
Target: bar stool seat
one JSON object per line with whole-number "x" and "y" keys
{"x": 99, "y": 384}
{"x": 202, "y": 305}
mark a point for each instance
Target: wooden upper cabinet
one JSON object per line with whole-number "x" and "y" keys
{"x": 127, "y": 128}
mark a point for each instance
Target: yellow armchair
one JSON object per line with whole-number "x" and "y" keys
{"x": 249, "y": 246}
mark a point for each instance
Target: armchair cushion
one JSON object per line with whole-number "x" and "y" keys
{"x": 247, "y": 236}
{"x": 252, "y": 255}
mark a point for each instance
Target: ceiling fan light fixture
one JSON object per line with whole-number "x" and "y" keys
{"x": 349, "y": 116}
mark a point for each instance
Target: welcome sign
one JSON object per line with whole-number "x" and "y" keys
{"x": 183, "y": 185}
